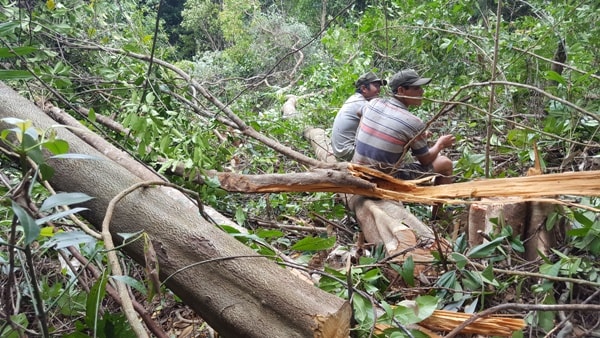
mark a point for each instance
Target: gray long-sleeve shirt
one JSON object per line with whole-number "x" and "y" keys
{"x": 345, "y": 125}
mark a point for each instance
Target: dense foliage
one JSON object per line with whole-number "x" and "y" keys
{"x": 94, "y": 56}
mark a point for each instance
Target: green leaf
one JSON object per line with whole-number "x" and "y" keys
{"x": 92, "y": 115}
{"x": 269, "y": 233}
{"x": 550, "y": 269}
{"x": 134, "y": 283}
{"x": 94, "y": 302}
{"x": 8, "y": 27}
{"x": 409, "y": 312}
{"x": 408, "y": 271}
{"x": 240, "y": 216}
{"x": 59, "y": 215}
{"x": 66, "y": 239}
{"x": 15, "y": 75}
{"x": 46, "y": 171}
{"x": 57, "y": 147}
{"x": 47, "y": 231}
{"x": 30, "y": 228}
{"x": 64, "y": 198}
{"x": 314, "y": 243}
{"x": 472, "y": 280}
{"x": 583, "y": 219}
{"x": 554, "y": 76}
{"x": 488, "y": 275}
{"x": 460, "y": 260}
{"x": 485, "y": 249}
{"x": 10, "y": 52}
{"x": 363, "y": 309}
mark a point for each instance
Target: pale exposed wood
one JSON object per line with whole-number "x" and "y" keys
{"x": 289, "y": 107}
{"x": 509, "y": 211}
{"x": 321, "y": 144}
{"x": 526, "y": 218}
{"x": 242, "y": 297}
{"x": 477, "y": 224}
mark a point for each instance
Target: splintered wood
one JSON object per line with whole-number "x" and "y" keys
{"x": 493, "y": 325}
{"x": 446, "y": 321}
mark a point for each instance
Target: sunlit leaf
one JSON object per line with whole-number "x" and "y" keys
{"x": 57, "y": 147}
{"x": 47, "y": 231}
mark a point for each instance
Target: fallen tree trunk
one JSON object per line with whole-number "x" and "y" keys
{"x": 239, "y": 297}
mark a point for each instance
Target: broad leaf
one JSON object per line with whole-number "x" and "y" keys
{"x": 59, "y": 215}
{"x": 8, "y": 27}
{"x": 30, "y": 228}
{"x": 64, "y": 198}
{"x": 485, "y": 249}
{"x": 314, "y": 244}
{"x": 134, "y": 283}
{"x": 15, "y": 75}
{"x": 66, "y": 239}
{"x": 10, "y": 52}
{"x": 94, "y": 302}
{"x": 57, "y": 147}
{"x": 408, "y": 271}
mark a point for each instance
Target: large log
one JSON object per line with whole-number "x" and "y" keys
{"x": 244, "y": 297}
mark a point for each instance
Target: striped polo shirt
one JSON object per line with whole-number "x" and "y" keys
{"x": 385, "y": 128}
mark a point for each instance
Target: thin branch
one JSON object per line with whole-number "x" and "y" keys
{"x": 126, "y": 302}
{"x": 492, "y": 101}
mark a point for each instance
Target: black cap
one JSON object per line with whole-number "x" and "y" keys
{"x": 367, "y": 78}
{"x": 407, "y": 77}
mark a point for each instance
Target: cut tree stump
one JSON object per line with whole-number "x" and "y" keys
{"x": 526, "y": 218}
{"x": 383, "y": 221}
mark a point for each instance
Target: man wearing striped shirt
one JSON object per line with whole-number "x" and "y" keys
{"x": 387, "y": 129}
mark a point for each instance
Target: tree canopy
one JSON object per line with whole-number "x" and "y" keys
{"x": 190, "y": 87}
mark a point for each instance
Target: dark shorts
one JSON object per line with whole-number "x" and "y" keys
{"x": 413, "y": 171}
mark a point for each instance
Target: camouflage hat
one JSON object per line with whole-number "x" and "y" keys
{"x": 367, "y": 78}
{"x": 407, "y": 77}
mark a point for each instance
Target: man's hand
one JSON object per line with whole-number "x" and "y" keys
{"x": 445, "y": 141}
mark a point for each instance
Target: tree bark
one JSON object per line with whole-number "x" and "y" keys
{"x": 239, "y": 297}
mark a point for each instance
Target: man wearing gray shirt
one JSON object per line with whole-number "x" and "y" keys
{"x": 347, "y": 119}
